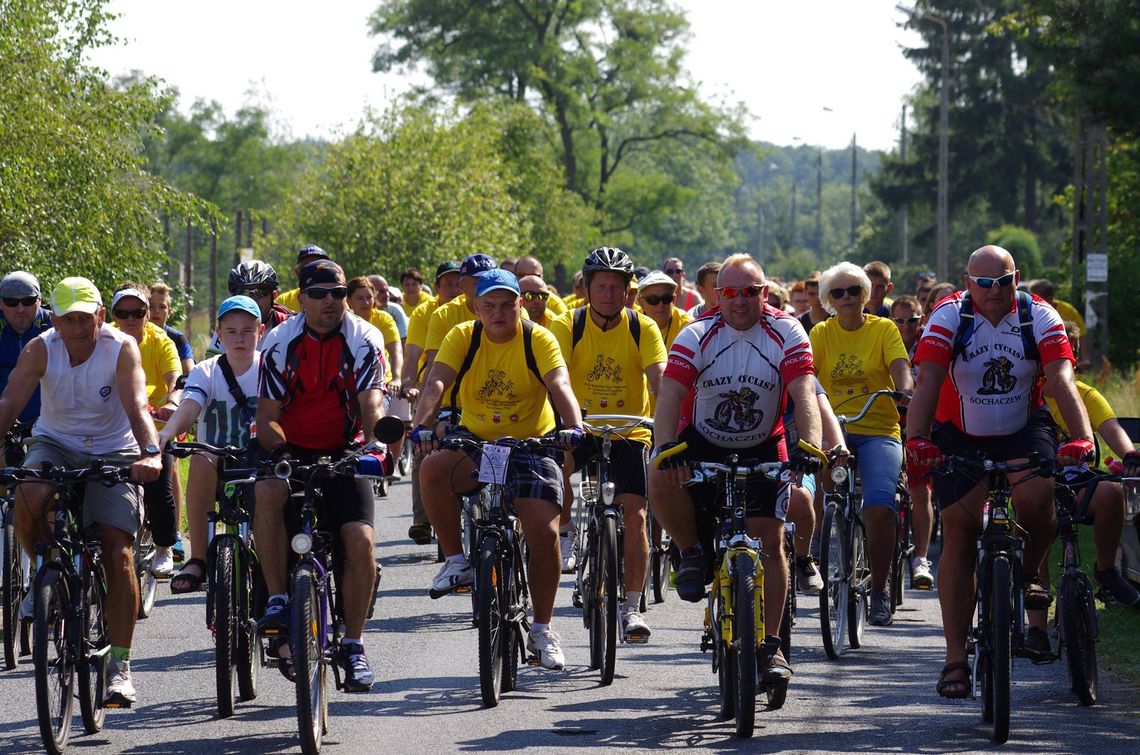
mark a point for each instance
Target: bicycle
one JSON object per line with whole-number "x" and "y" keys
{"x": 904, "y": 543}
{"x": 662, "y": 555}
{"x": 600, "y": 583}
{"x": 734, "y": 616}
{"x": 998, "y": 631}
{"x": 235, "y": 592}
{"x": 844, "y": 600}
{"x": 69, "y": 627}
{"x": 501, "y": 595}
{"x": 17, "y": 565}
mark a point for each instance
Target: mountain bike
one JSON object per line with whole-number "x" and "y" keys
{"x": 235, "y": 592}
{"x": 845, "y": 598}
{"x": 904, "y": 543}
{"x": 600, "y": 583}
{"x": 17, "y": 566}
{"x": 70, "y": 647}
{"x": 662, "y": 554}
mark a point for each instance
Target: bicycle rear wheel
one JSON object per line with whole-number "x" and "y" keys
{"x": 492, "y": 628}
{"x": 13, "y": 590}
{"x": 52, "y": 658}
{"x": 833, "y": 596}
{"x": 1078, "y": 634}
{"x": 251, "y": 599}
{"x": 901, "y": 555}
{"x": 744, "y": 642}
{"x": 91, "y": 658}
{"x": 148, "y": 583}
{"x": 514, "y": 603}
{"x": 788, "y": 620}
{"x": 604, "y": 628}
{"x": 1000, "y": 662}
{"x": 306, "y": 639}
{"x": 224, "y": 590}
{"x": 859, "y": 595}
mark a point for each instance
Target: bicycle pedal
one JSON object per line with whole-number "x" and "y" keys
{"x": 636, "y": 639}
{"x": 462, "y": 590}
{"x": 532, "y": 660}
{"x": 117, "y": 704}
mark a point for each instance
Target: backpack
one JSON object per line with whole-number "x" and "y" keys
{"x": 1024, "y": 321}
{"x": 580, "y": 327}
{"x": 476, "y": 337}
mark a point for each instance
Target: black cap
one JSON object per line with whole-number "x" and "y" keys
{"x": 451, "y": 266}
{"x": 312, "y": 250}
{"x": 321, "y": 272}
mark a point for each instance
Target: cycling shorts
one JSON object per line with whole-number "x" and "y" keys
{"x": 765, "y": 498}
{"x": 627, "y": 463}
{"x": 346, "y": 499}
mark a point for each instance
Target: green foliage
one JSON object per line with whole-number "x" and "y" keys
{"x": 74, "y": 198}
{"x": 1022, "y": 244}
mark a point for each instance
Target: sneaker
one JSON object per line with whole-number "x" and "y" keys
{"x": 881, "y": 608}
{"x": 568, "y": 544}
{"x": 1036, "y": 646}
{"x": 162, "y": 565}
{"x": 1115, "y": 585}
{"x": 778, "y": 666}
{"x": 809, "y": 580}
{"x": 275, "y": 620}
{"x": 178, "y": 550}
{"x": 119, "y": 690}
{"x": 452, "y": 577}
{"x": 420, "y": 533}
{"x": 357, "y": 669}
{"x": 920, "y": 576}
{"x": 28, "y": 606}
{"x": 690, "y": 576}
{"x": 545, "y": 645}
{"x": 634, "y": 627}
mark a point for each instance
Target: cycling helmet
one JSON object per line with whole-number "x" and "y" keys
{"x": 607, "y": 259}
{"x": 252, "y": 273}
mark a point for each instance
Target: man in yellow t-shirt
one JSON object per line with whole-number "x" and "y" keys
{"x": 291, "y": 299}
{"x": 614, "y": 354}
{"x": 500, "y": 394}
{"x": 535, "y": 300}
{"x": 412, "y": 288}
{"x": 528, "y": 265}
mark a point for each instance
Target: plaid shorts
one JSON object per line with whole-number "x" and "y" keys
{"x": 530, "y": 474}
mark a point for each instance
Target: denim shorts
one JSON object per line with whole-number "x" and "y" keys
{"x": 880, "y": 459}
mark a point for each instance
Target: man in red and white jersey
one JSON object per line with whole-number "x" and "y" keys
{"x": 999, "y": 352}
{"x": 741, "y": 363}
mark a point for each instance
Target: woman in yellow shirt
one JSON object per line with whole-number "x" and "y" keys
{"x": 855, "y": 355}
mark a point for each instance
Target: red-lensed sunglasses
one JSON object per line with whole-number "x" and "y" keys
{"x": 731, "y": 292}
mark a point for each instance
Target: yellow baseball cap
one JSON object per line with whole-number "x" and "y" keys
{"x": 75, "y": 295}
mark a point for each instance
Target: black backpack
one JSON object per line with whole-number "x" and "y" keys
{"x": 476, "y": 338}
{"x": 580, "y": 326}
{"x": 1024, "y": 320}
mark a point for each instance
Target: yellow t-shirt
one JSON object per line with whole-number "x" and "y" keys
{"x": 410, "y": 309}
{"x": 445, "y": 318}
{"x": 418, "y": 329}
{"x": 680, "y": 318}
{"x": 499, "y": 396}
{"x": 1069, "y": 313}
{"x": 1095, "y": 404}
{"x": 290, "y": 299}
{"x": 386, "y": 324}
{"x": 851, "y": 365}
{"x": 159, "y": 356}
{"x": 556, "y": 306}
{"x": 607, "y": 371}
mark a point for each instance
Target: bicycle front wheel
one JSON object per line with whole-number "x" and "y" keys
{"x": 833, "y": 597}
{"x": 492, "y": 627}
{"x": 604, "y": 628}
{"x": 1000, "y": 656}
{"x": 251, "y": 599}
{"x": 1078, "y": 634}
{"x": 744, "y": 642}
{"x": 53, "y": 659}
{"x": 91, "y": 660}
{"x": 225, "y": 624}
{"x": 148, "y": 583}
{"x": 859, "y": 594}
{"x": 13, "y": 589}
{"x": 306, "y": 639}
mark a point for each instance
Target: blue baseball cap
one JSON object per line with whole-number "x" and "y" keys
{"x": 239, "y": 304}
{"x": 477, "y": 265}
{"x": 497, "y": 280}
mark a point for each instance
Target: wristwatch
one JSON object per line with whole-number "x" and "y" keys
{"x": 151, "y": 450}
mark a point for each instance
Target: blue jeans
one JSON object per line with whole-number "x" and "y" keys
{"x": 880, "y": 460}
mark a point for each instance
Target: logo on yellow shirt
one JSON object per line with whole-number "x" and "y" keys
{"x": 605, "y": 367}
{"x": 848, "y": 367}
{"x": 497, "y": 385}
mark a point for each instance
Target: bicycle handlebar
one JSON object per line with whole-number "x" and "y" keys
{"x": 624, "y": 423}
{"x": 982, "y": 463}
{"x": 458, "y": 443}
{"x": 105, "y": 473}
{"x": 286, "y": 469}
{"x": 844, "y": 420}
{"x": 185, "y": 450}
{"x": 767, "y": 468}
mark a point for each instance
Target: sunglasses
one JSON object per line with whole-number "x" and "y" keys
{"x": 653, "y": 301}
{"x": 533, "y": 295}
{"x": 675, "y": 271}
{"x": 257, "y": 291}
{"x": 21, "y": 301}
{"x": 130, "y": 314}
{"x": 320, "y": 293}
{"x": 837, "y": 293}
{"x": 731, "y": 292}
{"x": 913, "y": 320}
{"x": 986, "y": 282}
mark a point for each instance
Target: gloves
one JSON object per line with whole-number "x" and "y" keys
{"x": 280, "y": 452}
{"x": 800, "y": 461}
{"x": 1075, "y": 452}
{"x": 923, "y": 452}
{"x": 372, "y": 464}
{"x": 422, "y": 434}
{"x": 569, "y": 438}
{"x": 1131, "y": 463}
{"x": 674, "y": 461}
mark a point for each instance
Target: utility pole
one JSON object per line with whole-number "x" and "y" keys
{"x": 792, "y": 239}
{"x": 819, "y": 204}
{"x": 854, "y": 171}
{"x": 188, "y": 276}
{"x": 760, "y": 232}
{"x": 904, "y": 218}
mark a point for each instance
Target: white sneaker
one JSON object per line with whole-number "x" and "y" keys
{"x": 809, "y": 580}
{"x": 545, "y": 645}
{"x": 119, "y": 691}
{"x": 920, "y": 575}
{"x": 28, "y": 605}
{"x": 634, "y": 627}
{"x": 568, "y": 544}
{"x": 453, "y": 576}
{"x": 162, "y": 565}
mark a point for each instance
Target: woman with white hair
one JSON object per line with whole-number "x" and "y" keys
{"x": 855, "y": 355}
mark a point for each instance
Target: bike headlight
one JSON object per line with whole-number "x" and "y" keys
{"x": 607, "y": 493}
{"x": 839, "y": 475}
{"x": 302, "y": 543}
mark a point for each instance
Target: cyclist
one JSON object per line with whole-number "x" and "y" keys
{"x": 816, "y": 313}
{"x": 687, "y": 298}
{"x": 221, "y": 394}
{"x": 291, "y": 299}
{"x": 458, "y": 310}
{"x": 706, "y": 287}
{"x": 535, "y": 298}
{"x": 361, "y": 302}
{"x": 528, "y": 265}
{"x": 613, "y": 355}
{"x": 740, "y": 363}
{"x": 93, "y": 405}
{"x": 395, "y": 405}
{"x": 258, "y": 281}
{"x": 412, "y": 286}
{"x": 656, "y": 293}
{"x": 880, "y": 275}
{"x": 500, "y": 395}
{"x": 22, "y": 318}
{"x": 992, "y": 403}
{"x": 321, "y": 386}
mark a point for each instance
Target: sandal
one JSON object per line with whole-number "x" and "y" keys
{"x": 186, "y": 581}
{"x": 1037, "y": 595}
{"x": 958, "y": 688}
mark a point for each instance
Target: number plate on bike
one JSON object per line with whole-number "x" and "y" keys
{"x": 493, "y": 465}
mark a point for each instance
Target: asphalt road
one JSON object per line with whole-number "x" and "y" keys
{"x": 877, "y": 699}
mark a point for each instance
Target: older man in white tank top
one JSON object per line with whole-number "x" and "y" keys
{"x": 93, "y": 405}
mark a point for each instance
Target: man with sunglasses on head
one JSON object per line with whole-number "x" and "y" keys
{"x": 1002, "y": 351}
{"x": 321, "y": 389}
{"x": 21, "y": 319}
{"x": 740, "y": 364}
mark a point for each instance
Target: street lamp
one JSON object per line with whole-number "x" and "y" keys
{"x": 854, "y": 178}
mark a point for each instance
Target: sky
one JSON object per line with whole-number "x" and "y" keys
{"x": 810, "y": 71}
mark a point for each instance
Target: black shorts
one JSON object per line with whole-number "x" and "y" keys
{"x": 766, "y": 498}
{"x": 345, "y": 499}
{"x": 1039, "y": 434}
{"x": 627, "y": 463}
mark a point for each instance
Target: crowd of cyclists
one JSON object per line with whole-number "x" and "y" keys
{"x": 735, "y": 363}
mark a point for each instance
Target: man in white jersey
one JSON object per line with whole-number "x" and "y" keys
{"x": 732, "y": 370}
{"x": 93, "y": 405}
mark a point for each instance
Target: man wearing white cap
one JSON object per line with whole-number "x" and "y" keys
{"x": 93, "y": 405}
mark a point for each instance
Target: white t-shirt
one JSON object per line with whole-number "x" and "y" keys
{"x": 220, "y": 423}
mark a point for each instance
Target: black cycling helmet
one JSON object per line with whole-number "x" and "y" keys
{"x": 607, "y": 259}
{"x": 252, "y": 273}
